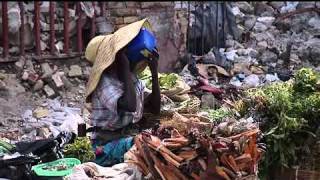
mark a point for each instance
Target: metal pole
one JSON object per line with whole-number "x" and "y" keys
{"x": 5, "y": 43}
{"x": 217, "y": 25}
{"x": 22, "y": 52}
{"x": 223, "y": 23}
{"x": 66, "y": 27}
{"x": 79, "y": 28}
{"x": 202, "y": 28}
{"x": 52, "y": 30}
{"x": 188, "y": 28}
{"x": 93, "y": 23}
{"x": 37, "y": 27}
{"x": 103, "y": 8}
{"x": 195, "y": 35}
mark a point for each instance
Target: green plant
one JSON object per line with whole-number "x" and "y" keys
{"x": 217, "y": 115}
{"x": 305, "y": 80}
{"x": 292, "y": 111}
{"x": 80, "y": 149}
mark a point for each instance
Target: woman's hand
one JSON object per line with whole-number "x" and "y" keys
{"x": 153, "y": 101}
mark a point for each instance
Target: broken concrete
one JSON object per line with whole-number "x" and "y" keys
{"x": 38, "y": 86}
{"x": 57, "y": 80}
{"x": 75, "y": 71}
{"x": 49, "y": 91}
{"x": 46, "y": 70}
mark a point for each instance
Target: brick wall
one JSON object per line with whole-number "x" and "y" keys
{"x": 166, "y": 22}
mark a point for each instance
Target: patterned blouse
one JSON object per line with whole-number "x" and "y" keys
{"x": 105, "y": 111}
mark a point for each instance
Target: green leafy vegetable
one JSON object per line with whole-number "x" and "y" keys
{"x": 292, "y": 110}
{"x": 166, "y": 81}
{"x": 80, "y": 149}
{"x": 217, "y": 115}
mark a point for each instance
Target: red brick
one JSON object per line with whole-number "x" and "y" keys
{"x": 148, "y": 4}
{"x": 130, "y": 19}
{"x": 124, "y": 12}
{"x": 117, "y": 20}
{"x": 120, "y": 26}
{"x": 166, "y": 4}
{"x": 115, "y": 5}
{"x": 145, "y": 5}
{"x": 132, "y": 4}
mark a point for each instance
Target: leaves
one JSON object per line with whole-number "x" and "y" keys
{"x": 292, "y": 111}
{"x": 217, "y": 115}
{"x": 166, "y": 81}
{"x": 80, "y": 149}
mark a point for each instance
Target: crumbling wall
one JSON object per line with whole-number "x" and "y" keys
{"x": 163, "y": 19}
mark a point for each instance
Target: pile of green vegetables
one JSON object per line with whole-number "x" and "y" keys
{"x": 80, "y": 149}
{"x": 218, "y": 115}
{"x": 166, "y": 81}
{"x": 292, "y": 110}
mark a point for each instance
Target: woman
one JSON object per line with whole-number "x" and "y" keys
{"x": 116, "y": 94}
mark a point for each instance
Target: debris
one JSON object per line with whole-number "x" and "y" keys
{"x": 20, "y": 64}
{"x": 40, "y": 112}
{"x": 268, "y": 57}
{"x": 208, "y": 101}
{"x": 314, "y": 22}
{"x": 272, "y": 78}
{"x": 14, "y": 18}
{"x": 252, "y": 81}
{"x": 46, "y": 70}
{"x": 260, "y": 27}
{"x": 57, "y": 79}
{"x": 49, "y": 91}
{"x": 290, "y": 6}
{"x": 32, "y": 78}
{"x": 39, "y": 85}
{"x": 25, "y": 75}
{"x": 266, "y": 20}
{"x": 75, "y": 71}
{"x": 250, "y": 21}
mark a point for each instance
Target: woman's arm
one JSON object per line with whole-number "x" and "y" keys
{"x": 153, "y": 101}
{"x": 128, "y": 100}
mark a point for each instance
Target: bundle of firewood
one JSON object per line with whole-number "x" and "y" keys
{"x": 165, "y": 153}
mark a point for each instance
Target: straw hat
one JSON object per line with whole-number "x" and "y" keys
{"x": 101, "y": 51}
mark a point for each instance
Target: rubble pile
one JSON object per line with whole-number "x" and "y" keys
{"x": 264, "y": 24}
{"x": 276, "y": 40}
{"x": 50, "y": 80}
{"x": 197, "y": 151}
{"x": 49, "y": 120}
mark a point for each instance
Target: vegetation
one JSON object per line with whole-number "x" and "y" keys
{"x": 80, "y": 149}
{"x": 293, "y": 111}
